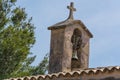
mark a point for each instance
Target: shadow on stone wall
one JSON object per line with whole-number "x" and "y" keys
{"x": 108, "y": 78}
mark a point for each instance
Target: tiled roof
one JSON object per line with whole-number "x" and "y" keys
{"x": 72, "y": 73}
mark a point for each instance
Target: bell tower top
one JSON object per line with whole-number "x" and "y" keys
{"x": 69, "y": 48}
{"x": 71, "y": 8}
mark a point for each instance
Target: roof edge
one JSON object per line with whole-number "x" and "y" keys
{"x": 63, "y": 24}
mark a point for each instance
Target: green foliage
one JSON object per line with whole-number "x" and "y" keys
{"x": 16, "y": 38}
{"x": 42, "y": 68}
{"x": 28, "y": 70}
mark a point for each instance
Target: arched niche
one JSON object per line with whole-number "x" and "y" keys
{"x": 76, "y": 41}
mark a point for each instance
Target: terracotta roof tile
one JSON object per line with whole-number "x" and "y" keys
{"x": 72, "y": 73}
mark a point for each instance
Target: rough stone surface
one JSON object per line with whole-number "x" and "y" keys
{"x": 61, "y": 48}
{"x": 56, "y": 50}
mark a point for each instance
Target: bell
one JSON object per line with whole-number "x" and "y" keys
{"x": 74, "y": 55}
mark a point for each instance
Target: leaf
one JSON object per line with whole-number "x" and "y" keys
{"x": 13, "y": 1}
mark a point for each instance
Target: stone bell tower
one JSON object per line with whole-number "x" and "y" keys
{"x": 69, "y": 48}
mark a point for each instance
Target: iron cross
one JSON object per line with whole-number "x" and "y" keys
{"x": 71, "y": 8}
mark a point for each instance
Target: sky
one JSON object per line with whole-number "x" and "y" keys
{"x": 102, "y": 18}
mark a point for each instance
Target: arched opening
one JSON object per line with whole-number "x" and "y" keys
{"x": 76, "y": 41}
